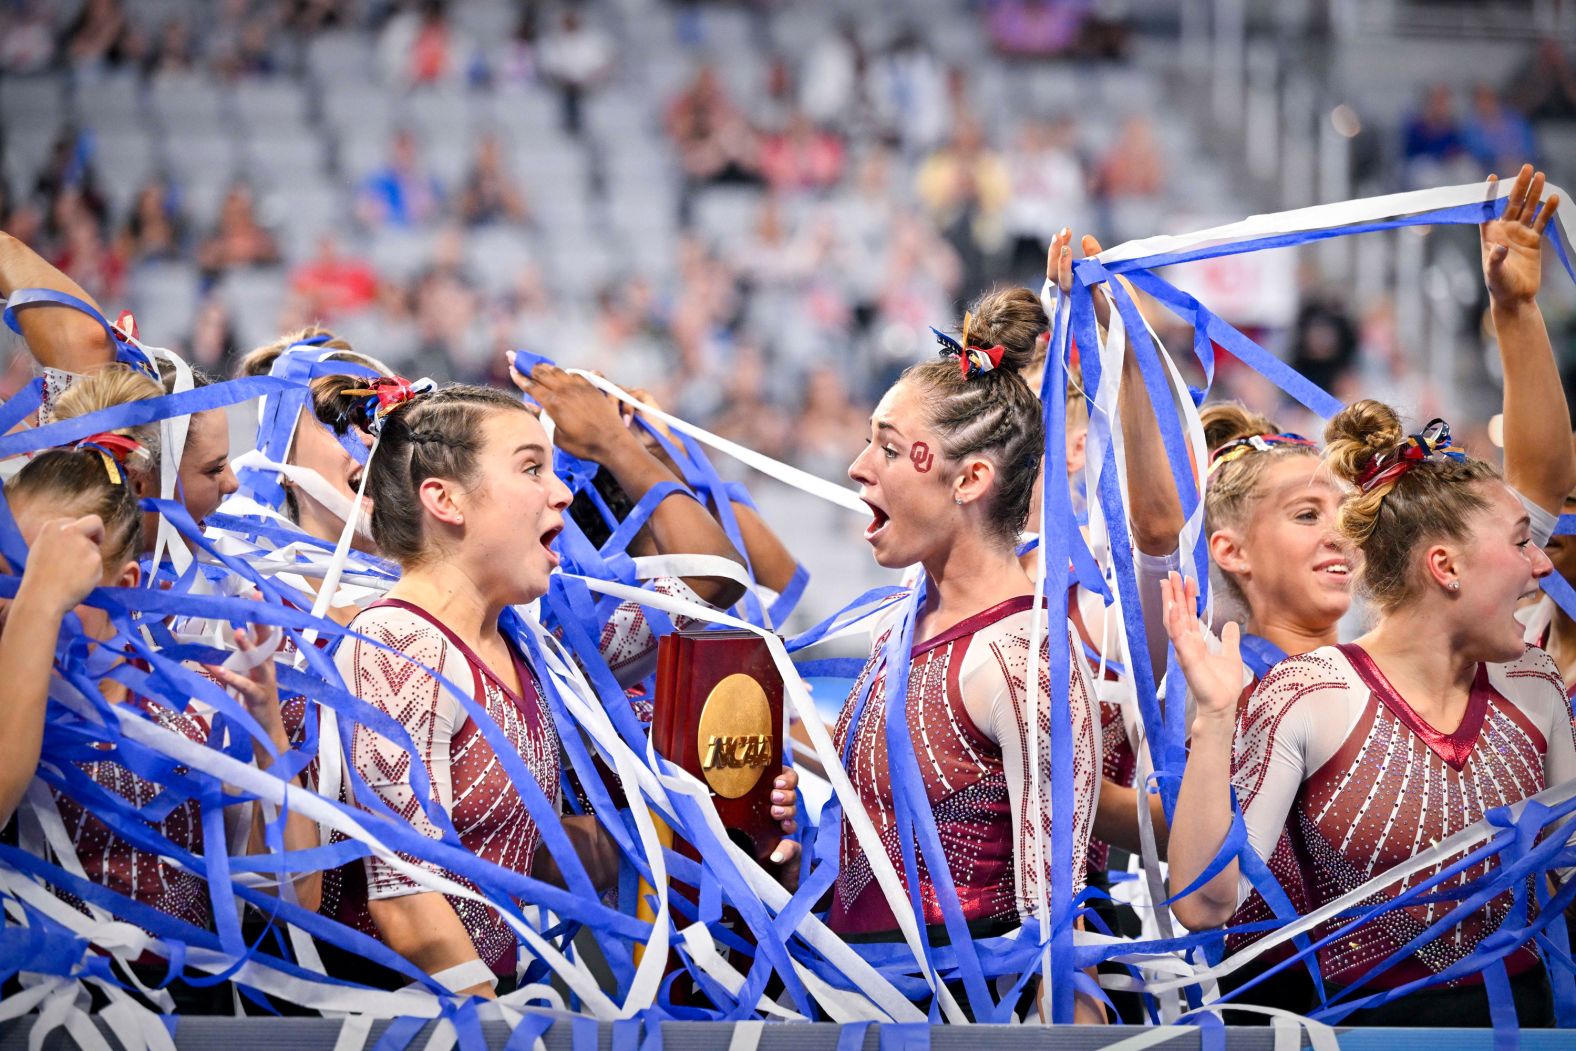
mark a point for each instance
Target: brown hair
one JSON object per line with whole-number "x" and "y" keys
{"x": 1432, "y": 499}
{"x": 435, "y": 435}
{"x": 260, "y": 362}
{"x": 993, "y": 414}
{"x": 78, "y": 482}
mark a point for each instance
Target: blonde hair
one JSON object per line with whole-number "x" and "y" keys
{"x": 1232, "y": 488}
{"x": 1433, "y": 498}
{"x": 112, "y": 385}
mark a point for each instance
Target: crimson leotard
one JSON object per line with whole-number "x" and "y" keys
{"x": 1328, "y": 753}
{"x": 977, "y": 777}
{"x": 468, "y": 779}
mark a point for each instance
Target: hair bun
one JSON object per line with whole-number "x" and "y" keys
{"x": 1358, "y": 433}
{"x": 1011, "y": 318}
{"x": 1228, "y": 421}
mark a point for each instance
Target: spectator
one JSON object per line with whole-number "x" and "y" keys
{"x": 575, "y": 58}
{"x": 403, "y": 194}
{"x": 1133, "y": 166}
{"x": 1035, "y": 28}
{"x": 802, "y": 157}
{"x": 27, "y": 44}
{"x": 517, "y": 60}
{"x": 491, "y": 194}
{"x": 1545, "y": 88}
{"x": 420, "y": 47}
{"x": 155, "y": 230}
{"x": 70, "y": 168}
{"x": 333, "y": 285}
{"x": 175, "y": 48}
{"x": 91, "y": 37}
{"x": 827, "y": 425}
{"x": 238, "y": 239}
{"x": 830, "y": 88}
{"x": 964, "y": 186}
{"x": 1431, "y": 139}
{"x": 1499, "y": 138}
{"x": 97, "y": 267}
{"x": 450, "y": 333}
{"x": 1049, "y": 188}
{"x": 213, "y": 346}
{"x": 1324, "y": 340}
{"x": 907, "y": 88}
{"x": 714, "y": 142}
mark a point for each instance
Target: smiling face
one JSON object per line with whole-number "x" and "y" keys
{"x": 904, "y": 478}
{"x": 513, "y": 509}
{"x": 1498, "y": 566}
{"x": 1289, "y": 561}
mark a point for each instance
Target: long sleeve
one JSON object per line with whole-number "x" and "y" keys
{"x": 999, "y": 698}
{"x": 1292, "y": 724}
{"x": 413, "y": 697}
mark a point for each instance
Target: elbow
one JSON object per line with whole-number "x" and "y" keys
{"x": 1199, "y": 912}
{"x": 309, "y": 892}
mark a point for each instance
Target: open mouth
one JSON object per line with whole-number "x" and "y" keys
{"x": 547, "y": 543}
{"x": 878, "y": 521}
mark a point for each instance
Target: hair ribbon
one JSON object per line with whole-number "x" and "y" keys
{"x": 384, "y": 394}
{"x": 972, "y": 361}
{"x": 114, "y": 450}
{"x": 1432, "y": 443}
{"x": 1261, "y": 443}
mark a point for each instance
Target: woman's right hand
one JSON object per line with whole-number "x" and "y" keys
{"x": 586, "y": 422}
{"x": 64, "y": 563}
{"x": 1214, "y": 678}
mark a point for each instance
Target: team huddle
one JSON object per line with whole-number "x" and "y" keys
{"x": 427, "y": 546}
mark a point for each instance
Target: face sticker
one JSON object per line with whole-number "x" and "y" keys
{"x": 919, "y": 454}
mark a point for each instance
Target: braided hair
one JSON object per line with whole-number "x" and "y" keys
{"x": 992, "y": 413}
{"x": 436, "y": 435}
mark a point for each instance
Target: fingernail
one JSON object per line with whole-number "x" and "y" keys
{"x": 777, "y": 856}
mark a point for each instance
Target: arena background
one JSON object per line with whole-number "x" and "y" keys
{"x": 755, "y": 210}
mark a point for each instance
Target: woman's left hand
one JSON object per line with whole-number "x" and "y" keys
{"x": 1513, "y": 243}
{"x": 258, "y": 689}
{"x": 784, "y": 813}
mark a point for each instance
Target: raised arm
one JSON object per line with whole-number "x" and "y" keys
{"x": 1542, "y": 470}
{"x": 1290, "y": 731}
{"x": 588, "y": 425}
{"x": 63, "y": 566}
{"x": 59, "y": 337}
{"x": 1203, "y": 810}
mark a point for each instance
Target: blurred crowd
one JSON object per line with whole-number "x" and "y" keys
{"x": 798, "y": 227}
{"x": 753, "y": 210}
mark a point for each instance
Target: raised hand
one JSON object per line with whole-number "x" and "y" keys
{"x": 1059, "y": 268}
{"x": 1513, "y": 244}
{"x": 257, "y": 688}
{"x": 586, "y": 422}
{"x": 1214, "y": 678}
{"x": 64, "y": 563}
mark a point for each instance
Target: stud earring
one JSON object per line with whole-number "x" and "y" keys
{"x": 1454, "y": 585}
{"x": 958, "y": 500}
